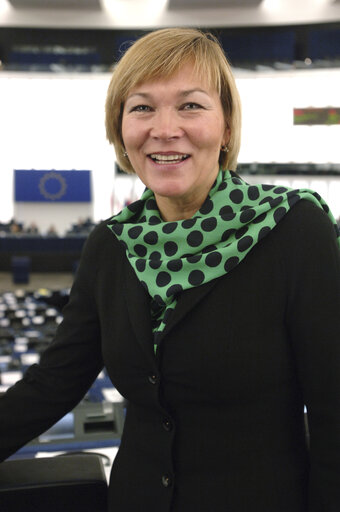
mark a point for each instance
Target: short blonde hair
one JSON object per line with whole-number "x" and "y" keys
{"x": 160, "y": 54}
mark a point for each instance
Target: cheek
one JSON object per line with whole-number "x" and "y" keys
{"x": 126, "y": 132}
{"x": 133, "y": 136}
{"x": 209, "y": 134}
{"x": 209, "y": 142}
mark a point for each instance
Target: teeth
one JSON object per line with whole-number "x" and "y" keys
{"x": 168, "y": 158}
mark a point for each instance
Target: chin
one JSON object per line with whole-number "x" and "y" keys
{"x": 169, "y": 190}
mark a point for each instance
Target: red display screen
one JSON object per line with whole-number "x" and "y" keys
{"x": 313, "y": 116}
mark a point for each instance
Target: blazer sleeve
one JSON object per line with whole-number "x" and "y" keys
{"x": 313, "y": 314}
{"x": 67, "y": 368}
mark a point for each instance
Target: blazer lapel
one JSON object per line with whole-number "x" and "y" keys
{"x": 138, "y": 305}
{"x": 187, "y": 301}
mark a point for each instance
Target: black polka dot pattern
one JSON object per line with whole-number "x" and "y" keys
{"x": 209, "y": 224}
{"x": 194, "y": 258}
{"x": 236, "y": 196}
{"x": 209, "y": 248}
{"x": 135, "y": 231}
{"x": 226, "y": 210}
{"x": 175, "y": 265}
{"x": 154, "y": 220}
{"x": 155, "y": 264}
{"x": 163, "y": 278}
{"x": 140, "y": 265}
{"x": 231, "y": 263}
{"x": 169, "y": 227}
{"x": 195, "y": 238}
{"x": 293, "y": 199}
{"x": 275, "y": 202}
{"x": 266, "y": 199}
{"x": 280, "y": 190}
{"x": 223, "y": 186}
{"x": 151, "y": 238}
{"x": 151, "y": 204}
{"x": 267, "y": 187}
{"x": 260, "y": 218}
{"x": 189, "y": 223}
{"x": 175, "y": 289}
{"x": 241, "y": 232}
{"x": 155, "y": 255}
{"x": 279, "y": 213}
{"x": 227, "y": 234}
{"x": 135, "y": 207}
{"x": 170, "y": 257}
{"x": 196, "y": 277}
{"x": 140, "y": 250}
{"x": 170, "y": 248}
{"x": 253, "y": 193}
{"x": 118, "y": 229}
{"x": 263, "y": 232}
{"x": 207, "y": 207}
{"x": 245, "y": 243}
{"x": 247, "y": 215}
{"x": 213, "y": 259}
{"x": 159, "y": 301}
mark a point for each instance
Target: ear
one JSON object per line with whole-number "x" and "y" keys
{"x": 226, "y": 136}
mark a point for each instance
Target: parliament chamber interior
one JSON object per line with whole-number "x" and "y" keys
{"x": 59, "y": 178}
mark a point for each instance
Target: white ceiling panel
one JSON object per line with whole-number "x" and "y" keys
{"x": 55, "y": 4}
{"x": 208, "y": 4}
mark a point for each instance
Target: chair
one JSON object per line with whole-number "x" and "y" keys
{"x": 21, "y": 266}
{"x": 72, "y": 483}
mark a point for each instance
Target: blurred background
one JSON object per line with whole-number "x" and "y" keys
{"x": 56, "y": 60}
{"x": 58, "y": 174}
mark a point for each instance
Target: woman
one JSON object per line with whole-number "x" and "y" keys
{"x": 213, "y": 304}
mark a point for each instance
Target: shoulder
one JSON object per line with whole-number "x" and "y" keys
{"x": 304, "y": 221}
{"x": 101, "y": 250}
{"x": 100, "y": 242}
{"x": 307, "y": 236}
{"x": 101, "y": 233}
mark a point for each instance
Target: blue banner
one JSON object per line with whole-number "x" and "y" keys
{"x": 52, "y": 186}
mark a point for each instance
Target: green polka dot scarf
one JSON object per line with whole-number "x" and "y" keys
{"x": 169, "y": 257}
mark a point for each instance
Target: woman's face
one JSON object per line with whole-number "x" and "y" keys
{"x": 173, "y": 130}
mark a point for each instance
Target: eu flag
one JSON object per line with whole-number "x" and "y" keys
{"x": 52, "y": 186}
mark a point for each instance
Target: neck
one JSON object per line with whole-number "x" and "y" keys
{"x": 183, "y": 207}
{"x": 172, "y": 210}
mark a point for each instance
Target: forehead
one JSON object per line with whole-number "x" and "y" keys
{"x": 186, "y": 78}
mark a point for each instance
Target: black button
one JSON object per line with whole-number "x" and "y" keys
{"x": 152, "y": 379}
{"x": 166, "y": 481}
{"x": 167, "y": 424}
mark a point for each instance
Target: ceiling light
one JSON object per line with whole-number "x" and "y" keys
{"x": 134, "y": 7}
{"x": 271, "y": 5}
{"x": 4, "y": 6}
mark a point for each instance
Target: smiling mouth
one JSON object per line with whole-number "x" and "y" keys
{"x": 167, "y": 159}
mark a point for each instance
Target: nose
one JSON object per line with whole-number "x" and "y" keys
{"x": 165, "y": 125}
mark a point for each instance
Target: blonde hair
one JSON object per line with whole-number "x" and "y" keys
{"x": 160, "y": 54}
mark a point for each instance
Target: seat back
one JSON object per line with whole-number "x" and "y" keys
{"x": 73, "y": 483}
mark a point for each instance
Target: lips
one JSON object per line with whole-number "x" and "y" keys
{"x": 173, "y": 158}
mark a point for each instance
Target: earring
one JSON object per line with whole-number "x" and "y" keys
{"x": 225, "y": 148}
{"x": 125, "y": 154}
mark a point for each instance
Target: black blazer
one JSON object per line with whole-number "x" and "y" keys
{"x": 215, "y": 421}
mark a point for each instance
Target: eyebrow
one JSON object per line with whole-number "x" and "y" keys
{"x": 184, "y": 93}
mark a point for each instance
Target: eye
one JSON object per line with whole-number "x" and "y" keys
{"x": 191, "y": 106}
{"x": 141, "y": 108}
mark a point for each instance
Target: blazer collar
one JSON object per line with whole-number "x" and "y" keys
{"x": 186, "y": 302}
{"x": 138, "y": 304}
